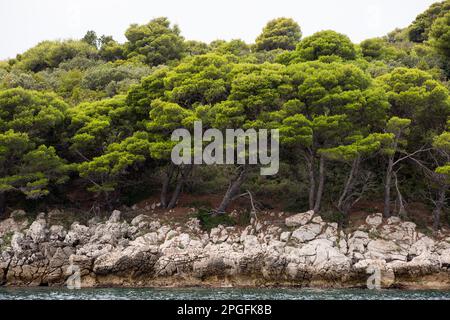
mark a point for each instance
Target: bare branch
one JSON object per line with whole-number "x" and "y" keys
{"x": 411, "y": 155}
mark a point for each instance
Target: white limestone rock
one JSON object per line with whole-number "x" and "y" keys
{"x": 299, "y": 219}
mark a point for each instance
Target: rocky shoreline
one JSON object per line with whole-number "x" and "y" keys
{"x": 304, "y": 251}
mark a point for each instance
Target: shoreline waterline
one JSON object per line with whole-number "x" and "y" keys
{"x": 45, "y": 293}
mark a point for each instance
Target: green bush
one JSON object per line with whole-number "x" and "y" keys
{"x": 334, "y": 216}
{"x": 209, "y": 221}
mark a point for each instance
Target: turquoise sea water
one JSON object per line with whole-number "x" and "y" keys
{"x": 219, "y": 294}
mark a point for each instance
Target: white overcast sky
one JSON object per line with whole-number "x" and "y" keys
{"x": 24, "y": 23}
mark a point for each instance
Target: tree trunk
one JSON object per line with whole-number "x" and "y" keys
{"x": 343, "y": 205}
{"x": 312, "y": 181}
{"x": 2, "y": 204}
{"x": 440, "y": 203}
{"x": 387, "y": 188}
{"x": 320, "y": 188}
{"x": 232, "y": 191}
{"x": 165, "y": 186}
{"x": 176, "y": 194}
{"x": 401, "y": 203}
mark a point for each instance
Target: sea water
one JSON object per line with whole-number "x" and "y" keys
{"x": 217, "y": 294}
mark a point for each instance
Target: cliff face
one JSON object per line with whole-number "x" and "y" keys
{"x": 305, "y": 251}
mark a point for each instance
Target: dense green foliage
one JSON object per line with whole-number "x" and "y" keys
{"x": 356, "y": 122}
{"x": 324, "y": 44}
{"x": 32, "y": 124}
{"x": 279, "y": 33}
{"x": 419, "y": 31}
{"x": 440, "y": 34}
{"x": 155, "y": 43}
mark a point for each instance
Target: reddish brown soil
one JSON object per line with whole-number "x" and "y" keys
{"x": 417, "y": 212}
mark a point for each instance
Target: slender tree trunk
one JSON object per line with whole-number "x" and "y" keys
{"x": 440, "y": 203}
{"x": 176, "y": 194}
{"x": 320, "y": 188}
{"x": 2, "y": 204}
{"x": 165, "y": 186}
{"x": 164, "y": 191}
{"x": 312, "y": 180}
{"x": 232, "y": 191}
{"x": 387, "y": 188}
{"x": 402, "y": 210}
{"x": 342, "y": 203}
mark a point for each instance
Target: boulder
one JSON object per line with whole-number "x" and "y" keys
{"x": 428, "y": 262}
{"x": 150, "y": 239}
{"x": 16, "y": 242}
{"x": 330, "y": 233}
{"x": 307, "y": 233}
{"x": 358, "y": 243}
{"x": 219, "y": 235}
{"x": 285, "y": 236}
{"x": 385, "y": 250}
{"x": 422, "y": 246}
{"x": 364, "y": 264}
{"x": 320, "y": 257}
{"x": 78, "y": 235}
{"x": 317, "y": 220}
{"x": 249, "y": 230}
{"x": 94, "y": 250}
{"x": 183, "y": 241}
{"x": 194, "y": 225}
{"x": 40, "y": 216}
{"x": 94, "y": 221}
{"x": 115, "y": 216}
{"x": 37, "y": 231}
{"x": 109, "y": 232}
{"x": 299, "y": 219}
{"x": 141, "y": 221}
{"x": 57, "y": 233}
{"x": 404, "y": 232}
{"x": 394, "y": 220}
{"x": 445, "y": 258}
{"x": 132, "y": 261}
{"x": 171, "y": 234}
{"x": 329, "y": 258}
{"x": 154, "y": 226}
{"x": 374, "y": 220}
{"x": 162, "y": 233}
{"x": 10, "y": 225}
{"x": 251, "y": 245}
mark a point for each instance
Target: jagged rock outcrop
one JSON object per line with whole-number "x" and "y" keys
{"x": 306, "y": 251}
